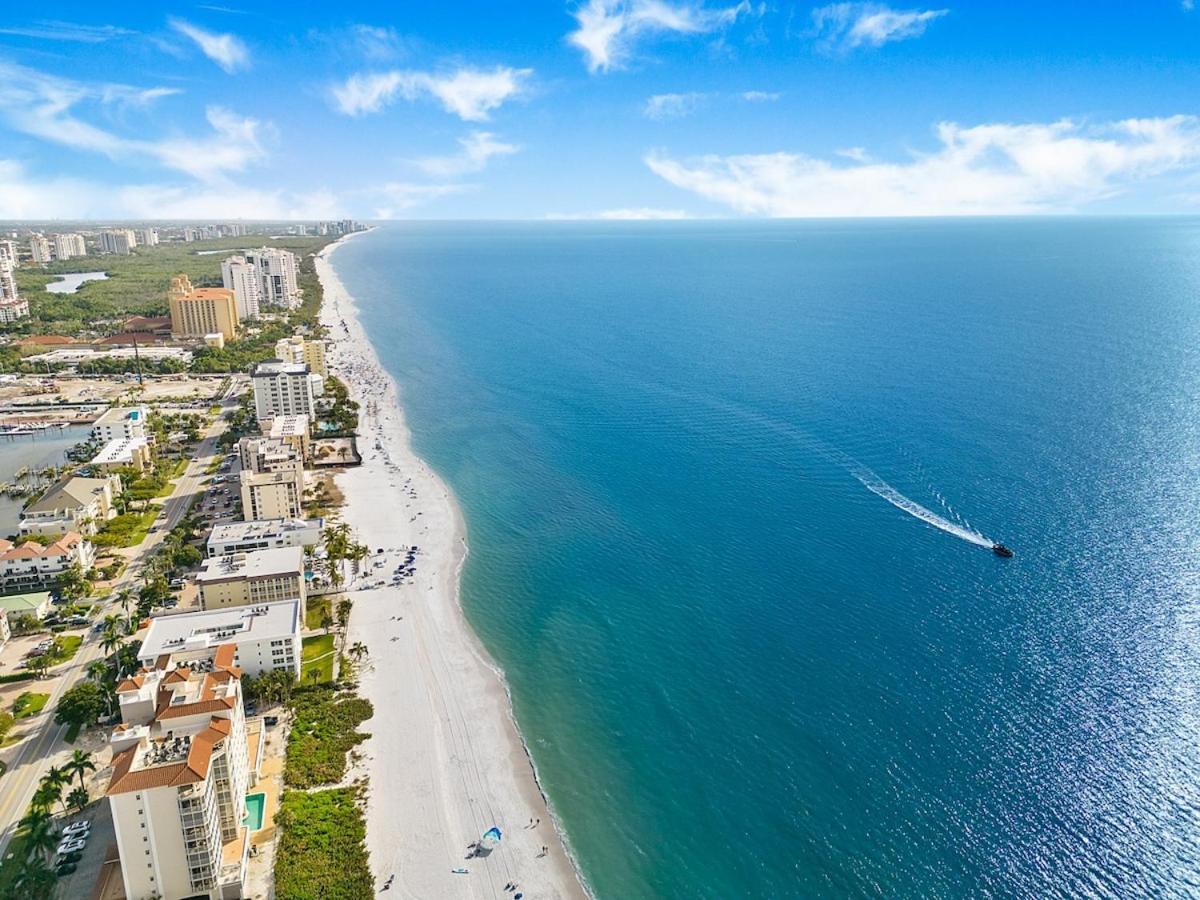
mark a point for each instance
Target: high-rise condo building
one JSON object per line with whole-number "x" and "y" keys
{"x": 183, "y": 759}
{"x": 279, "y": 271}
{"x": 118, "y": 240}
{"x": 8, "y": 270}
{"x": 13, "y": 309}
{"x": 39, "y": 248}
{"x": 68, "y": 246}
{"x": 285, "y": 389}
{"x": 149, "y": 237}
{"x": 243, "y": 279}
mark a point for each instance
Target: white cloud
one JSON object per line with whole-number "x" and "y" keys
{"x": 760, "y": 96}
{"x": 982, "y": 170}
{"x": 401, "y": 195}
{"x": 672, "y": 106}
{"x": 608, "y": 29}
{"x": 630, "y": 214}
{"x": 477, "y": 150}
{"x": 226, "y": 50}
{"x": 68, "y": 31}
{"x": 48, "y": 108}
{"x": 858, "y": 154}
{"x": 376, "y": 43}
{"x": 846, "y": 26}
{"x": 470, "y": 94}
{"x": 24, "y": 196}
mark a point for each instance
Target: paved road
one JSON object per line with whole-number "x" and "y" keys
{"x": 33, "y": 756}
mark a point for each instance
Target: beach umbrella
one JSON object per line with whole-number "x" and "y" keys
{"x": 490, "y": 839}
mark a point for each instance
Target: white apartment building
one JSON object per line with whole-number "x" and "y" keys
{"x": 251, "y": 579}
{"x": 120, "y": 453}
{"x": 267, "y": 454}
{"x": 243, "y": 279}
{"x": 298, "y": 350}
{"x": 149, "y": 237}
{"x": 264, "y": 534}
{"x": 39, "y": 248}
{"x": 13, "y": 309}
{"x": 8, "y": 270}
{"x": 272, "y": 495}
{"x": 279, "y": 271}
{"x": 291, "y": 430}
{"x": 68, "y": 246}
{"x": 183, "y": 759}
{"x": 265, "y": 638}
{"x": 121, "y": 422}
{"x": 285, "y": 389}
{"x": 30, "y": 565}
{"x": 118, "y": 240}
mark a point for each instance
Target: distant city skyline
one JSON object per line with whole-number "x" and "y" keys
{"x": 606, "y": 109}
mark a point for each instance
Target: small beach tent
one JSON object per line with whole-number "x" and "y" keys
{"x": 490, "y": 839}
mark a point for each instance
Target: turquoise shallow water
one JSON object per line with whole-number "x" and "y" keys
{"x": 742, "y": 672}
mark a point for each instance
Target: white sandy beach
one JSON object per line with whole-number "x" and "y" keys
{"x": 445, "y": 760}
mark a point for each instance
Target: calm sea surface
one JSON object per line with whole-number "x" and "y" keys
{"x": 722, "y": 483}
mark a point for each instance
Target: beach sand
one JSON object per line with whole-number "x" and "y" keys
{"x": 445, "y": 760}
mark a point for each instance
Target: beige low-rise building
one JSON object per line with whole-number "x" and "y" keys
{"x": 183, "y": 759}
{"x": 244, "y": 579}
{"x": 298, "y": 350}
{"x": 32, "y": 565}
{"x": 272, "y": 495}
{"x": 72, "y": 504}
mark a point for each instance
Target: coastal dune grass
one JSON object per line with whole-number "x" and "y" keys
{"x": 322, "y": 851}
{"x": 324, "y": 729}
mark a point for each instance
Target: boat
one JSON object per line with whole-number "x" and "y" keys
{"x": 1001, "y": 550}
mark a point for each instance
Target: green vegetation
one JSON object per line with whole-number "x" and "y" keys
{"x": 29, "y": 704}
{"x": 339, "y": 414}
{"x": 82, "y": 704}
{"x": 15, "y": 677}
{"x": 137, "y": 284}
{"x": 72, "y": 732}
{"x": 324, "y": 730}
{"x": 322, "y": 853}
{"x": 318, "y": 610}
{"x": 126, "y": 530}
{"x": 63, "y": 648}
{"x": 240, "y": 355}
{"x": 316, "y": 656}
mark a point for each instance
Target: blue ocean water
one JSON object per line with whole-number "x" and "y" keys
{"x": 742, "y": 671}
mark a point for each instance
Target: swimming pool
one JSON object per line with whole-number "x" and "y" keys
{"x": 255, "y": 805}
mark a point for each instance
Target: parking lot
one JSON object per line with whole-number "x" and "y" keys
{"x": 100, "y": 846}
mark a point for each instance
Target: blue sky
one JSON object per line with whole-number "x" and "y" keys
{"x": 603, "y": 108}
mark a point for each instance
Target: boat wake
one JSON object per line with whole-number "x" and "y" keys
{"x": 881, "y": 488}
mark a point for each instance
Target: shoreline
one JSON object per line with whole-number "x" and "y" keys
{"x": 448, "y": 757}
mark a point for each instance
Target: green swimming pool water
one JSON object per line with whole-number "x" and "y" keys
{"x": 255, "y": 804}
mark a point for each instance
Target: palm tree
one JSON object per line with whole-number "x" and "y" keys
{"x": 46, "y": 796}
{"x": 36, "y": 879}
{"x": 110, "y": 641}
{"x": 79, "y": 799}
{"x": 358, "y": 650}
{"x": 97, "y": 670}
{"x": 40, "y": 835}
{"x": 80, "y": 764}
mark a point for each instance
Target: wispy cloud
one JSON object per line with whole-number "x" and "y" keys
{"x": 629, "y": 214}
{"x": 377, "y": 43}
{"x": 52, "y": 109}
{"x": 661, "y": 107}
{"x": 980, "y": 170}
{"x": 226, "y": 50}
{"x": 471, "y": 94}
{"x": 608, "y": 29}
{"x": 672, "y": 106}
{"x": 23, "y": 195}
{"x": 67, "y": 31}
{"x": 398, "y": 196}
{"x": 848, "y": 26}
{"x": 478, "y": 148}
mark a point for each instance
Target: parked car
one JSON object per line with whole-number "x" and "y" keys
{"x": 70, "y": 857}
{"x": 65, "y": 869}
{"x": 78, "y": 828}
{"x": 70, "y": 845}
{"x": 271, "y": 721}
